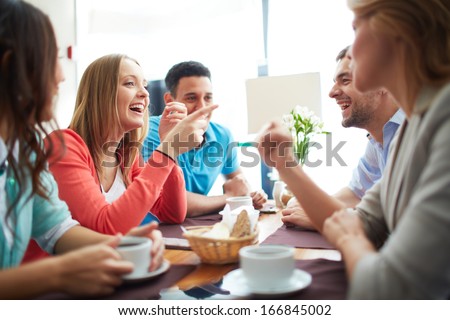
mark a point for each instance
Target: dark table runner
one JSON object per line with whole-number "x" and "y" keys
{"x": 174, "y": 230}
{"x": 148, "y": 289}
{"x": 299, "y": 238}
{"x": 329, "y": 280}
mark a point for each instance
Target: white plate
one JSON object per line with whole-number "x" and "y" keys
{"x": 299, "y": 281}
{"x": 163, "y": 268}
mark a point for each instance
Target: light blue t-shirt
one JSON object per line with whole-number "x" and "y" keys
{"x": 31, "y": 217}
{"x": 371, "y": 165}
{"x": 201, "y": 166}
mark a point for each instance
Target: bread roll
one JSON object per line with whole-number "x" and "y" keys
{"x": 242, "y": 226}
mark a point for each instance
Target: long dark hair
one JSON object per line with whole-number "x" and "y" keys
{"x": 28, "y": 57}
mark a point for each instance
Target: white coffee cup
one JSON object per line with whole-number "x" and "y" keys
{"x": 236, "y": 202}
{"x": 278, "y": 189}
{"x": 267, "y": 267}
{"x": 137, "y": 251}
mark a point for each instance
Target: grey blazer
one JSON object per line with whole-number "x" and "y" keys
{"x": 407, "y": 214}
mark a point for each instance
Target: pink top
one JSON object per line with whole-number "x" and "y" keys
{"x": 157, "y": 186}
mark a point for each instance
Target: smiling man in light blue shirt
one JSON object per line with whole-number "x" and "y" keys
{"x": 371, "y": 165}
{"x": 375, "y": 112}
{"x": 189, "y": 84}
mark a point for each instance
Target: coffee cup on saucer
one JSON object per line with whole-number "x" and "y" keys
{"x": 137, "y": 251}
{"x": 267, "y": 267}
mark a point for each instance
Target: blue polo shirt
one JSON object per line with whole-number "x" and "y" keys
{"x": 371, "y": 165}
{"x": 201, "y": 166}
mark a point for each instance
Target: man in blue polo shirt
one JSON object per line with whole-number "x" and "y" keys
{"x": 375, "y": 112}
{"x": 189, "y": 84}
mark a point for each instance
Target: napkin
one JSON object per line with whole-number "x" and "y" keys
{"x": 229, "y": 216}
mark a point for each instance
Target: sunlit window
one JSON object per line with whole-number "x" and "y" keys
{"x": 227, "y": 36}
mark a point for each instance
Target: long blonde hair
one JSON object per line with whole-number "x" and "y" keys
{"x": 424, "y": 26}
{"x": 96, "y": 114}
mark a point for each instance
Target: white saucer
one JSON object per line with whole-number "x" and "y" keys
{"x": 299, "y": 281}
{"x": 165, "y": 265}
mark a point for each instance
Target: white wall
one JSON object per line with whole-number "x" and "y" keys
{"x": 62, "y": 15}
{"x": 304, "y": 36}
{"x": 225, "y": 35}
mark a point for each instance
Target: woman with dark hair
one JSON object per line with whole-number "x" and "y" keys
{"x": 30, "y": 73}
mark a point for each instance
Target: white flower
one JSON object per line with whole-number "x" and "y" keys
{"x": 315, "y": 120}
{"x": 298, "y": 109}
{"x": 303, "y": 112}
{"x": 288, "y": 120}
{"x": 303, "y": 125}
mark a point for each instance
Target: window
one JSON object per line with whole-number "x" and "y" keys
{"x": 226, "y": 35}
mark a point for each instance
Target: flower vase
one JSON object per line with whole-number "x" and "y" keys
{"x": 301, "y": 150}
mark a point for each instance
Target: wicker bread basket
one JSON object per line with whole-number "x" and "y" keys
{"x": 217, "y": 251}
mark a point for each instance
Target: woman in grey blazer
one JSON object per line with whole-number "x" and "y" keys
{"x": 396, "y": 243}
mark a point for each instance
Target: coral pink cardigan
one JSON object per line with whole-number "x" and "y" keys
{"x": 158, "y": 186}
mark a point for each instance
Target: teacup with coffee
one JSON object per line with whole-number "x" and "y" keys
{"x": 137, "y": 251}
{"x": 267, "y": 267}
{"x": 236, "y": 202}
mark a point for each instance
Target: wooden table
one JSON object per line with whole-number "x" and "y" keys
{"x": 206, "y": 273}
{"x": 205, "y": 277}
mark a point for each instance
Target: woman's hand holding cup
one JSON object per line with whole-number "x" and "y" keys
{"x": 151, "y": 232}
{"x": 92, "y": 270}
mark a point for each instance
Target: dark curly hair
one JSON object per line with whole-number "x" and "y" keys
{"x": 182, "y": 70}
